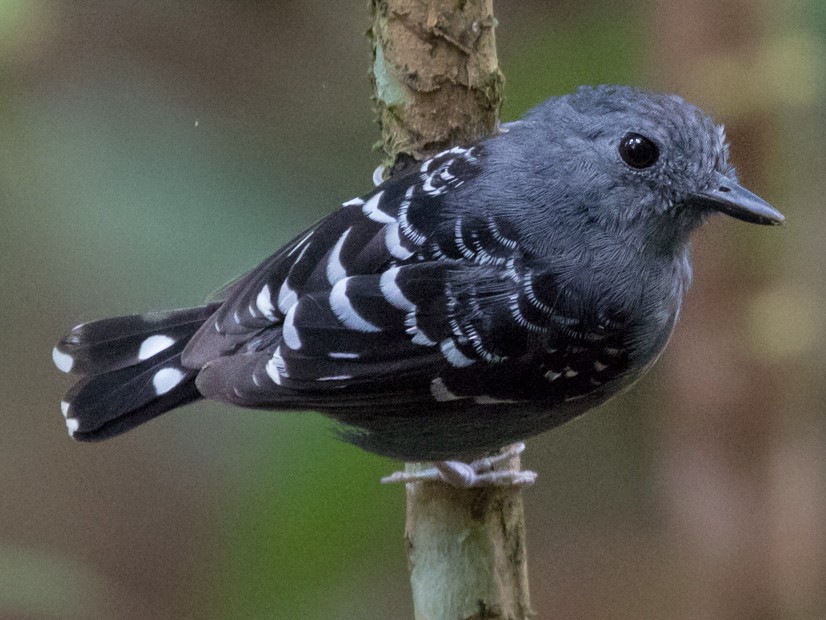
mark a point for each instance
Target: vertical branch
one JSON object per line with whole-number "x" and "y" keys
{"x": 435, "y": 74}
{"x": 437, "y": 84}
{"x": 466, "y": 551}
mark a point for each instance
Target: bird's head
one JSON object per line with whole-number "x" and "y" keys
{"x": 631, "y": 160}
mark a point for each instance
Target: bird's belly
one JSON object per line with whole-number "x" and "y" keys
{"x": 514, "y": 405}
{"x": 464, "y": 431}
{"x": 509, "y": 401}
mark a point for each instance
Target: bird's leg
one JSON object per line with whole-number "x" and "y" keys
{"x": 479, "y": 473}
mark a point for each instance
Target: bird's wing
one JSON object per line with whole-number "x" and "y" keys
{"x": 433, "y": 332}
{"x": 387, "y": 300}
{"x": 388, "y": 226}
{"x": 368, "y": 339}
{"x": 393, "y": 300}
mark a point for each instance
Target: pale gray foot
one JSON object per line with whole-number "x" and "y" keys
{"x": 479, "y": 473}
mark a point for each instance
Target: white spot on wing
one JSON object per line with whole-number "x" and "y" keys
{"x": 62, "y": 360}
{"x": 530, "y": 293}
{"x": 394, "y": 243}
{"x": 499, "y": 236}
{"x": 516, "y": 313}
{"x": 421, "y": 339}
{"x": 404, "y": 224}
{"x": 301, "y": 244}
{"x": 456, "y": 150}
{"x": 344, "y": 311}
{"x": 286, "y": 298}
{"x": 459, "y": 240}
{"x": 335, "y": 269}
{"x": 340, "y": 355}
{"x": 378, "y": 175}
{"x": 482, "y": 255}
{"x": 510, "y": 270}
{"x": 264, "y": 303}
{"x": 64, "y": 408}
{"x": 166, "y": 379}
{"x": 552, "y": 376}
{"x": 276, "y": 368}
{"x": 417, "y": 336}
{"x": 564, "y": 320}
{"x": 490, "y": 400}
{"x": 273, "y": 373}
{"x": 336, "y": 378}
{"x": 289, "y": 333}
{"x": 478, "y": 345}
{"x": 440, "y": 391}
{"x": 154, "y": 345}
{"x": 391, "y": 291}
{"x": 430, "y": 189}
{"x": 453, "y": 355}
{"x": 599, "y": 366}
{"x": 371, "y": 210}
{"x": 355, "y": 202}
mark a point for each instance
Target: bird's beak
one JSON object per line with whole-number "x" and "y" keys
{"x": 733, "y": 199}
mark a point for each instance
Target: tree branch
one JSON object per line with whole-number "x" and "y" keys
{"x": 437, "y": 84}
{"x": 466, "y": 551}
{"x": 436, "y": 78}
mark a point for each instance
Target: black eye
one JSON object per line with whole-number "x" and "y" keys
{"x": 638, "y": 151}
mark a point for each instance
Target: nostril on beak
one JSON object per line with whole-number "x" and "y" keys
{"x": 724, "y": 189}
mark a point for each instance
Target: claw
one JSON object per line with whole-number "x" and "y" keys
{"x": 479, "y": 473}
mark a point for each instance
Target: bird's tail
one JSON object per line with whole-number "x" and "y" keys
{"x": 132, "y": 370}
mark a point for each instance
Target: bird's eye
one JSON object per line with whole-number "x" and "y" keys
{"x": 638, "y": 151}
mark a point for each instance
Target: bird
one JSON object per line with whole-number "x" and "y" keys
{"x": 481, "y": 297}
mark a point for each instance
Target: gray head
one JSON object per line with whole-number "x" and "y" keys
{"x": 634, "y": 161}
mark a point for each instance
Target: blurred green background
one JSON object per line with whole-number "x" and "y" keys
{"x": 151, "y": 151}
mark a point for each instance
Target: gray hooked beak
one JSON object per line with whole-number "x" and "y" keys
{"x": 733, "y": 199}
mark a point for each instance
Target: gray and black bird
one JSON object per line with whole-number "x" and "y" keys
{"x": 491, "y": 293}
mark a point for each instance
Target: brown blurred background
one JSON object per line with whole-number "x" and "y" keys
{"x": 151, "y": 151}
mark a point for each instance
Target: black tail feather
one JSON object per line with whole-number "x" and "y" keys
{"x": 133, "y": 367}
{"x": 184, "y": 394}
{"x": 119, "y": 342}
